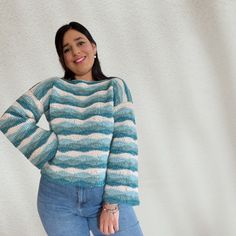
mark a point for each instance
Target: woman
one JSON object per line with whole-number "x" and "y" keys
{"x": 88, "y": 158}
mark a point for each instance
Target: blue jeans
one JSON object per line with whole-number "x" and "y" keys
{"x": 67, "y": 210}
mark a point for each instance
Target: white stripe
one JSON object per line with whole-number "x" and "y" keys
{"x": 6, "y": 116}
{"x": 124, "y": 105}
{"x": 78, "y": 153}
{"x": 71, "y": 170}
{"x": 123, "y": 172}
{"x": 121, "y": 188}
{"x": 125, "y": 122}
{"x": 123, "y": 156}
{"x": 127, "y": 140}
{"x": 96, "y": 118}
{"x": 87, "y": 136}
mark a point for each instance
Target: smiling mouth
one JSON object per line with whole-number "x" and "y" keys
{"x": 79, "y": 60}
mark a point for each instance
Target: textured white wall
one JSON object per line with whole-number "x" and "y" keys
{"x": 178, "y": 58}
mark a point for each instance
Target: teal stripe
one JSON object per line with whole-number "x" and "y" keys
{"x": 116, "y": 196}
{"x": 121, "y": 147}
{"x": 81, "y": 162}
{"x": 125, "y": 180}
{"x": 71, "y": 113}
{"x": 80, "y": 179}
{"x": 125, "y": 131}
{"x": 79, "y": 165}
{"x": 121, "y": 163}
{"x": 124, "y": 113}
{"x": 118, "y": 93}
{"x": 84, "y": 145}
{"x": 85, "y": 129}
{"x": 16, "y": 111}
{"x": 127, "y": 91}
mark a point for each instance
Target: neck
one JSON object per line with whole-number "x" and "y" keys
{"x": 87, "y": 76}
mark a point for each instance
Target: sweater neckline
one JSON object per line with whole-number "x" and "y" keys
{"x": 76, "y": 81}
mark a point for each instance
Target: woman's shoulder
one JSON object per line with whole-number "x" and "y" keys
{"x": 44, "y": 84}
{"x": 121, "y": 90}
{"x": 117, "y": 81}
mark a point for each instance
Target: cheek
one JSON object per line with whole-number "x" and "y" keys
{"x": 67, "y": 58}
{"x": 88, "y": 49}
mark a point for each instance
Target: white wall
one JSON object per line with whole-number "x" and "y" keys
{"x": 178, "y": 58}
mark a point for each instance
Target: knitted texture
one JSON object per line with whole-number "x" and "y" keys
{"x": 92, "y": 139}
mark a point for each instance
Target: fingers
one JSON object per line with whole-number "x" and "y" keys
{"x": 116, "y": 221}
{"x": 109, "y": 223}
{"x": 108, "y": 229}
{"x": 111, "y": 229}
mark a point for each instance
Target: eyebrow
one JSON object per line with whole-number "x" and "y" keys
{"x": 74, "y": 40}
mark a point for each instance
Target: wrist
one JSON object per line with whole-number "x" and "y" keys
{"x": 110, "y": 208}
{"x": 110, "y": 205}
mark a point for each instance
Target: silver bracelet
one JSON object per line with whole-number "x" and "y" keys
{"x": 110, "y": 210}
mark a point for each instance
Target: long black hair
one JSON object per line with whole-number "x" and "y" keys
{"x": 96, "y": 69}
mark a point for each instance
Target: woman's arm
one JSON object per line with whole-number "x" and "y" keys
{"x": 122, "y": 170}
{"x": 19, "y": 125}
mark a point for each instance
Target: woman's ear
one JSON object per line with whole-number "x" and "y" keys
{"x": 94, "y": 48}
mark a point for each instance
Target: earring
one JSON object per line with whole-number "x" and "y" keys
{"x": 94, "y": 56}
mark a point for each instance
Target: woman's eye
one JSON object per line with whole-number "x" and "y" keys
{"x": 66, "y": 50}
{"x": 80, "y": 43}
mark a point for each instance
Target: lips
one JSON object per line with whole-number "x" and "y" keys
{"x": 79, "y": 60}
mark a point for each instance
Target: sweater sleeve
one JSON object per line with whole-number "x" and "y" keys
{"x": 19, "y": 124}
{"x": 122, "y": 170}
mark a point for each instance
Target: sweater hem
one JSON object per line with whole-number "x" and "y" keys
{"x": 72, "y": 182}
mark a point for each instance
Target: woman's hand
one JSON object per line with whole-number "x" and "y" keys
{"x": 109, "y": 222}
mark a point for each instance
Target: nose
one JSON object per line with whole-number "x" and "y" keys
{"x": 75, "y": 50}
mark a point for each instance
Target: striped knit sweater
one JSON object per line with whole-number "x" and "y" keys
{"x": 92, "y": 139}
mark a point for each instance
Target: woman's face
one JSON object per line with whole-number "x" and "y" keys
{"x": 78, "y": 53}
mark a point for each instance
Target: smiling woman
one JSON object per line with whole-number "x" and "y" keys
{"x": 79, "y": 54}
{"x": 72, "y": 38}
{"x": 89, "y": 157}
